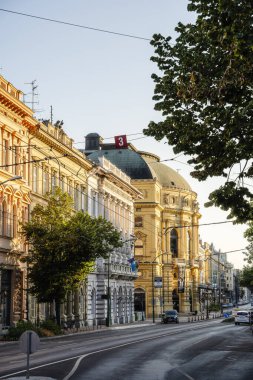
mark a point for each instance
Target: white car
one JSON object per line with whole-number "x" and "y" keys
{"x": 241, "y": 316}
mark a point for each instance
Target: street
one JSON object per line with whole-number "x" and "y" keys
{"x": 202, "y": 350}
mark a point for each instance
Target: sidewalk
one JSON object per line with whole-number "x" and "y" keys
{"x": 183, "y": 318}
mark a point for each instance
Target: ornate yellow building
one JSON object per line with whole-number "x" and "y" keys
{"x": 166, "y": 228}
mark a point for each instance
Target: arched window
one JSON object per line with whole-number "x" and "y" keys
{"x": 174, "y": 243}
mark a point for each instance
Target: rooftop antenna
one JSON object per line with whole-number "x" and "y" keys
{"x": 51, "y": 115}
{"x": 34, "y": 87}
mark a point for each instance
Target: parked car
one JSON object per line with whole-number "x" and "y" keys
{"x": 170, "y": 316}
{"x": 242, "y": 316}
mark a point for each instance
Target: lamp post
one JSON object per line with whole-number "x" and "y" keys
{"x": 108, "y": 294}
{"x": 11, "y": 179}
{"x": 153, "y": 292}
{"x": 153, "y": 285}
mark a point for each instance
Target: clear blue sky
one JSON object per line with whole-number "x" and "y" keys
{"x": 100, "y": 82}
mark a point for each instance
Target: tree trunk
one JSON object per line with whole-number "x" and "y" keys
{"x": 58, "y": 312}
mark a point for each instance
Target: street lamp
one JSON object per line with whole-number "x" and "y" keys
{"x": 153, "y": 286}
{"x": 11, "y": 179}
{"x": 108, "y": 295}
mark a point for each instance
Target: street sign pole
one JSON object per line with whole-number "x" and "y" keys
{"x": 29, "y": 339}
{"x": 29, "y": 343}
{"x": 153, "y": 293}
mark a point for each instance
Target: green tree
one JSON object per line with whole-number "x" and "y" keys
{"x": 205, "y": 93}
{"x": 63, "y": 247}
{"x": 246, "y": 277}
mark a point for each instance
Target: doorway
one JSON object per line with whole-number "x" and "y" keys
{"x": 140, "y": 302}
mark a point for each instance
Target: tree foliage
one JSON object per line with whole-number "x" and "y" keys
{"x": 205, "y": 93}
{"x": 64, "y": 246}
{"x": 246, "y": 277}
{"x": 249, "y": 249}
{"x": 247, "y": 272}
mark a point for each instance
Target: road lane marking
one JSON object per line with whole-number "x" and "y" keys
{"x": 184, "y": 374}
{"x": 169, "y": 333}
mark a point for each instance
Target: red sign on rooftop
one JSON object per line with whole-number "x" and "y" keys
{"x": 120, "y": 142}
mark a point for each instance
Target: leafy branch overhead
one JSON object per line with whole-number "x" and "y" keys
{"x": 204, "y": 93}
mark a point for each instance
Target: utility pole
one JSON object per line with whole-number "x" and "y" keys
{"x": 219, "y": 274}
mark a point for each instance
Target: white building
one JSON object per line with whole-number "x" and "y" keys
{"x": 111, "y": 195}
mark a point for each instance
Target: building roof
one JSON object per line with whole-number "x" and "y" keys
{"x": 141, "y": 165}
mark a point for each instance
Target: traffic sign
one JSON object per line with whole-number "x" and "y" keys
{"x": 29, "y": 342}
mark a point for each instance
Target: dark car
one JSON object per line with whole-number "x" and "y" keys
{"x": 170, "y": 316}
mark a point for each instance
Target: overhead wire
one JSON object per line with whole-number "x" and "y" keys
{"x": 75, "y": 25}
{"x": 109, "y": 209}
{"x": 85, "y": 178}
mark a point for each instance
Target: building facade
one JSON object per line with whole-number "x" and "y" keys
{"x": 112, "y": 196}
{"x": 15, "y": 202}
{"x": 36, "y": 157}
{"x": 166, "y": 229}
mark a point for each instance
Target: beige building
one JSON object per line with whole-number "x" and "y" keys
{"x": 14, "y": 202}
{"x": 166, "y": 228}
{"x": 35, "y": 158}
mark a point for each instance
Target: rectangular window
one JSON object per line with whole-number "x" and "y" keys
{"x": 94, "y": 205}
{"x": 53, "y": 181}
{"x": 35, "y": 178}
{"x": 138, "y": 221}
{"x": 15, "y": 160}
{"x": 24, "y": 167}
{"x": 83, "y": 199}
{"x": 45, "y": 185}
{"x": 61, "y": 183}
{"x": 77, "y": 197}
{"x": 5, "y": 153}
{"x": 70, "y": 188}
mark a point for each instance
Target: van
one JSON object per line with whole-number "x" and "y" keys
{"x": 241, "y": 316}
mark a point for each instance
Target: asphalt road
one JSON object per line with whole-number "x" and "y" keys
{"x": 201, "y": 351}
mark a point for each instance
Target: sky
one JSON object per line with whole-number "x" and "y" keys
{"x": 101, "y": 82}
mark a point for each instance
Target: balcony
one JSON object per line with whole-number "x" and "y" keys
{"x": 178, "y": 261}
{"x": 120, "y": 271}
